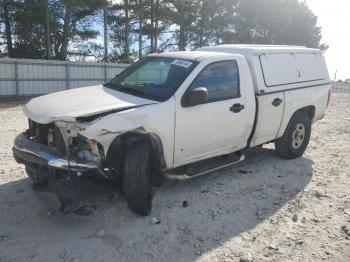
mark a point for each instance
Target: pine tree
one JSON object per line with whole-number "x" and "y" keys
{"x": 59, "y": 29}
{"x": 7, "y": 9}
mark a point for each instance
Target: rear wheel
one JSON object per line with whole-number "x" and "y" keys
{"x": 296, "y": 137}
{"x": 137, "y": 184}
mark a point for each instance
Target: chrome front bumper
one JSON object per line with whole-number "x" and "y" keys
{"x": 26, "y": 151}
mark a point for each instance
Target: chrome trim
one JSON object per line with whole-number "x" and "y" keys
{"x": 24, "y": 145}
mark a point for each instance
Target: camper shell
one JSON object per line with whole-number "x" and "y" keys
{"x": 276, "y": 67}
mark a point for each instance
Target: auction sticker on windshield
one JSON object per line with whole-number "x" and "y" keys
{"x": 182, "y": 63}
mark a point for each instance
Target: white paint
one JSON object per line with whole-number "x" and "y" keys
{"x": 211, "y": 129}
{"x": 293, "y": 67}
{"x": 157, "y": 119}
{"x": 67, "y": 105}
{"x": 199, "y": 132}
{"x": 269, "y": 118}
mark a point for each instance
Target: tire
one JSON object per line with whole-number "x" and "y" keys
{"x": 157, "y": 177}
{"x": 137, "y": 184}
{"x": 38, "y": 176}
{"x": 296, "y": 137}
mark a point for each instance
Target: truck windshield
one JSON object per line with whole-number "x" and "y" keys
{"x": 155, "y": 78}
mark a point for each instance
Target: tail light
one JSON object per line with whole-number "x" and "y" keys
{"x": 329, "y": 96}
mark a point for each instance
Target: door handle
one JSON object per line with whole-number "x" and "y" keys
{"x": 277, "y": 101}
{"x": 236, "y": 108}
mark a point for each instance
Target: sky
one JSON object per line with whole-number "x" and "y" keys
{"x": 334, "y": 18}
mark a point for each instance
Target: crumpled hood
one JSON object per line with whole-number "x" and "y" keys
{"x": 85, "y": 101}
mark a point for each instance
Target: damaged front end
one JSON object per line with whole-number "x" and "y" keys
{"x": 57, "y": 154}
{"x": 58, "y": 145}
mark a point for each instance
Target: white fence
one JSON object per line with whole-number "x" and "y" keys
{"x": 341, "y": 87}
{"x": 25, "y": 77}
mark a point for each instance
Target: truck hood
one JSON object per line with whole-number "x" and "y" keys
{"x": 80, "y": 102}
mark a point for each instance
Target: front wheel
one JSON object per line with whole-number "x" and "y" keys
{"x": 137, "y": 184}
{"x": 296, "y": 137}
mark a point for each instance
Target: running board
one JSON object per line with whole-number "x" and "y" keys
{"x": 204, "y": 167}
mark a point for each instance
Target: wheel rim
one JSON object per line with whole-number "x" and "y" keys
{"x": 298, "y": 136}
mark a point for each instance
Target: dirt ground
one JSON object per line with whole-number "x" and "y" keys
{"x": 264, "y": 209}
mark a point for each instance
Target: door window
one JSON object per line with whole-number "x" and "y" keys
{"x": 221, "y": 79}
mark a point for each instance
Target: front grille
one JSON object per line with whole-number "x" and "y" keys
{"x": 40, "y": 131}
{"x": 47, "y": 134}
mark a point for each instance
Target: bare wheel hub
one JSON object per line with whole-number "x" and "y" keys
{"x": 298, "y": 136}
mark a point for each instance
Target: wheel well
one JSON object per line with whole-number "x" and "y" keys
{"x": 309, "y": 111}
{"x": 115, "y": 154}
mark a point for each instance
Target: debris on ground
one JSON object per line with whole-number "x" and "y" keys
{"x": 198, "y": 253}
{"x": 243, "y": 171}
{"x": 100, "y": 234}
{"x": 3, "y": 237}
{"x": 346, "y": 230}
{"x": 347, "y": 211}
{"x": 80, "y": 208}
{"x": 155, "y": 221}
{"x": 317, "y": 194}
{"x": 300, "y": 241}
{"x": 246, "y": 257}
{"x": 272, "y": 247}
{"x": 295, "y": 218}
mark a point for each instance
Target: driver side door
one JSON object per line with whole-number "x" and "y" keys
{"x": 212, "y": 128}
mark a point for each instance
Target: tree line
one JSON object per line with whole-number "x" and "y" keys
{"x": 125, "y": 30}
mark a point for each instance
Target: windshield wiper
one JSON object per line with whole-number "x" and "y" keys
{"x": 132, "y": 91}
{"x": 111, "y": 85}
{"x": 140, "y": 93}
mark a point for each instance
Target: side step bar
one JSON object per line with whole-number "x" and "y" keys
{"x": 204, "y": 167}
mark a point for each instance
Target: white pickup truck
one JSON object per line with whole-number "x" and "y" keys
{"x": 180, "y": 113}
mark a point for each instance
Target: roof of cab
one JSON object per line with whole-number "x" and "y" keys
{"x": 250, "y": 49}
{"x": 191, "y": 55}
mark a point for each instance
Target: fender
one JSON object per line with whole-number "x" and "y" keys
{"x": 117, "y": 129}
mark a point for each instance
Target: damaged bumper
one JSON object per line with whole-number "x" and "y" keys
{"x": 29, "y": 152}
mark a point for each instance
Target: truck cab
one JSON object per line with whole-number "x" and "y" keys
{"x": 180, "y": 113}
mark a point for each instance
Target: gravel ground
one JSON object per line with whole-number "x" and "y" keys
{"x": 264, "y": 209}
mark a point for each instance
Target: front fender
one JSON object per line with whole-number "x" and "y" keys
{"x": 157, "y": 119}
{"x": 106, "y": 129}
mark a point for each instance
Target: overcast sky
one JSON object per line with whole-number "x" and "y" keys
{"x": 334, "y": 18}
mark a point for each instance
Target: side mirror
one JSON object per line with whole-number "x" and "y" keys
{"x": 196, "y": 96}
